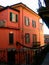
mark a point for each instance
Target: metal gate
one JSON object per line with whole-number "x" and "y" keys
{"x": 24, "y": 57}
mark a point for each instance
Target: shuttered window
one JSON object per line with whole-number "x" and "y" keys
{"x": 13, "y": 17}
{"x": 34, "y": 37}
{"x": 26, "y": 21}
{"x": 10, "y": 16}
{"x": 34, "y": 24}
{"x": 27, "y": 38}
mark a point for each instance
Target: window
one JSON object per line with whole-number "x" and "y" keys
{"x": 27, "y": 38}
{"x": 11, "y": 38}
{"x": 13, "y": 17}
{"x": 26, "y": 21}
{"x": 34, "y": 24}
{"x": 34, "y": 39}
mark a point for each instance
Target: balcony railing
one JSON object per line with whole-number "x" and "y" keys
{"x": 36, "y": 44}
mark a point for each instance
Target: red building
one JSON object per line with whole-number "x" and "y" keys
{"x": 20, "y": 29}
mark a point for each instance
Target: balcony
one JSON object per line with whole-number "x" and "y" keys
{"x": 36, "y": 44}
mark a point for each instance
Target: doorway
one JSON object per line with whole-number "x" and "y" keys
{"x": 11, "y": 57}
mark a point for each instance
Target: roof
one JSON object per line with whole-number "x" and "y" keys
{"x": 19, "y": 4}
{"x": 4, "y": 8}
{"x": 23, "y": 5}
{"x": 1, "y": 7}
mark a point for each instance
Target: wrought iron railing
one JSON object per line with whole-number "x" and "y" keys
{"x": 23, "y": 56}
{"x": 35, "y": 44}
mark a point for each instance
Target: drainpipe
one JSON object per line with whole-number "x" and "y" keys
{"x": 39, "y": 31}
{"x": 22, "y": 28}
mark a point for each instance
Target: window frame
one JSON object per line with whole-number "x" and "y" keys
{"x": 27, "y": 39}
{"x": 34, "y": 23}
{"x": 34, "y": 38}
{"x": 12, "y": 18}
{"x": 27, "y": 23}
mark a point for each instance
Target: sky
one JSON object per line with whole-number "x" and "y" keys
{"x": 33, "y": 4}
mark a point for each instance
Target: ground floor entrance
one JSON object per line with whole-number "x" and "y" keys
{"x": 11, "y": 57}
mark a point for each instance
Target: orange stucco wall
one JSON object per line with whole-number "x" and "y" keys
{"x": 29, "y": 29}
{"x": 8, "y": 28}
{"x": 4, "y": 38}
{"x": 5, "y": 15}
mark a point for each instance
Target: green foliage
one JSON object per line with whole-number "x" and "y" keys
{"x": 42, "y": 9}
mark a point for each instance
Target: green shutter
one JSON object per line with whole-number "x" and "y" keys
{"x": 28, "y": 22}
{"x": 10, "y": 16}
{"x": 16, "y": 18}
{"x": 25, "y": 20}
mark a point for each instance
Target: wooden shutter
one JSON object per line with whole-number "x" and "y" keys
{"x": 16, "y": 18}
{"x": 10, "y": 16}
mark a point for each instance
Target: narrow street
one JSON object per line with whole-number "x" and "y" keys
{"x": 46, "y": 60}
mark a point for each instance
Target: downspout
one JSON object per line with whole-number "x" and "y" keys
{"x": 22, "y": 28}
{"x": 39, "y": 32}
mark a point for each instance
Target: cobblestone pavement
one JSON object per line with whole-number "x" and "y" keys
{"x": 46, "y": 60}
